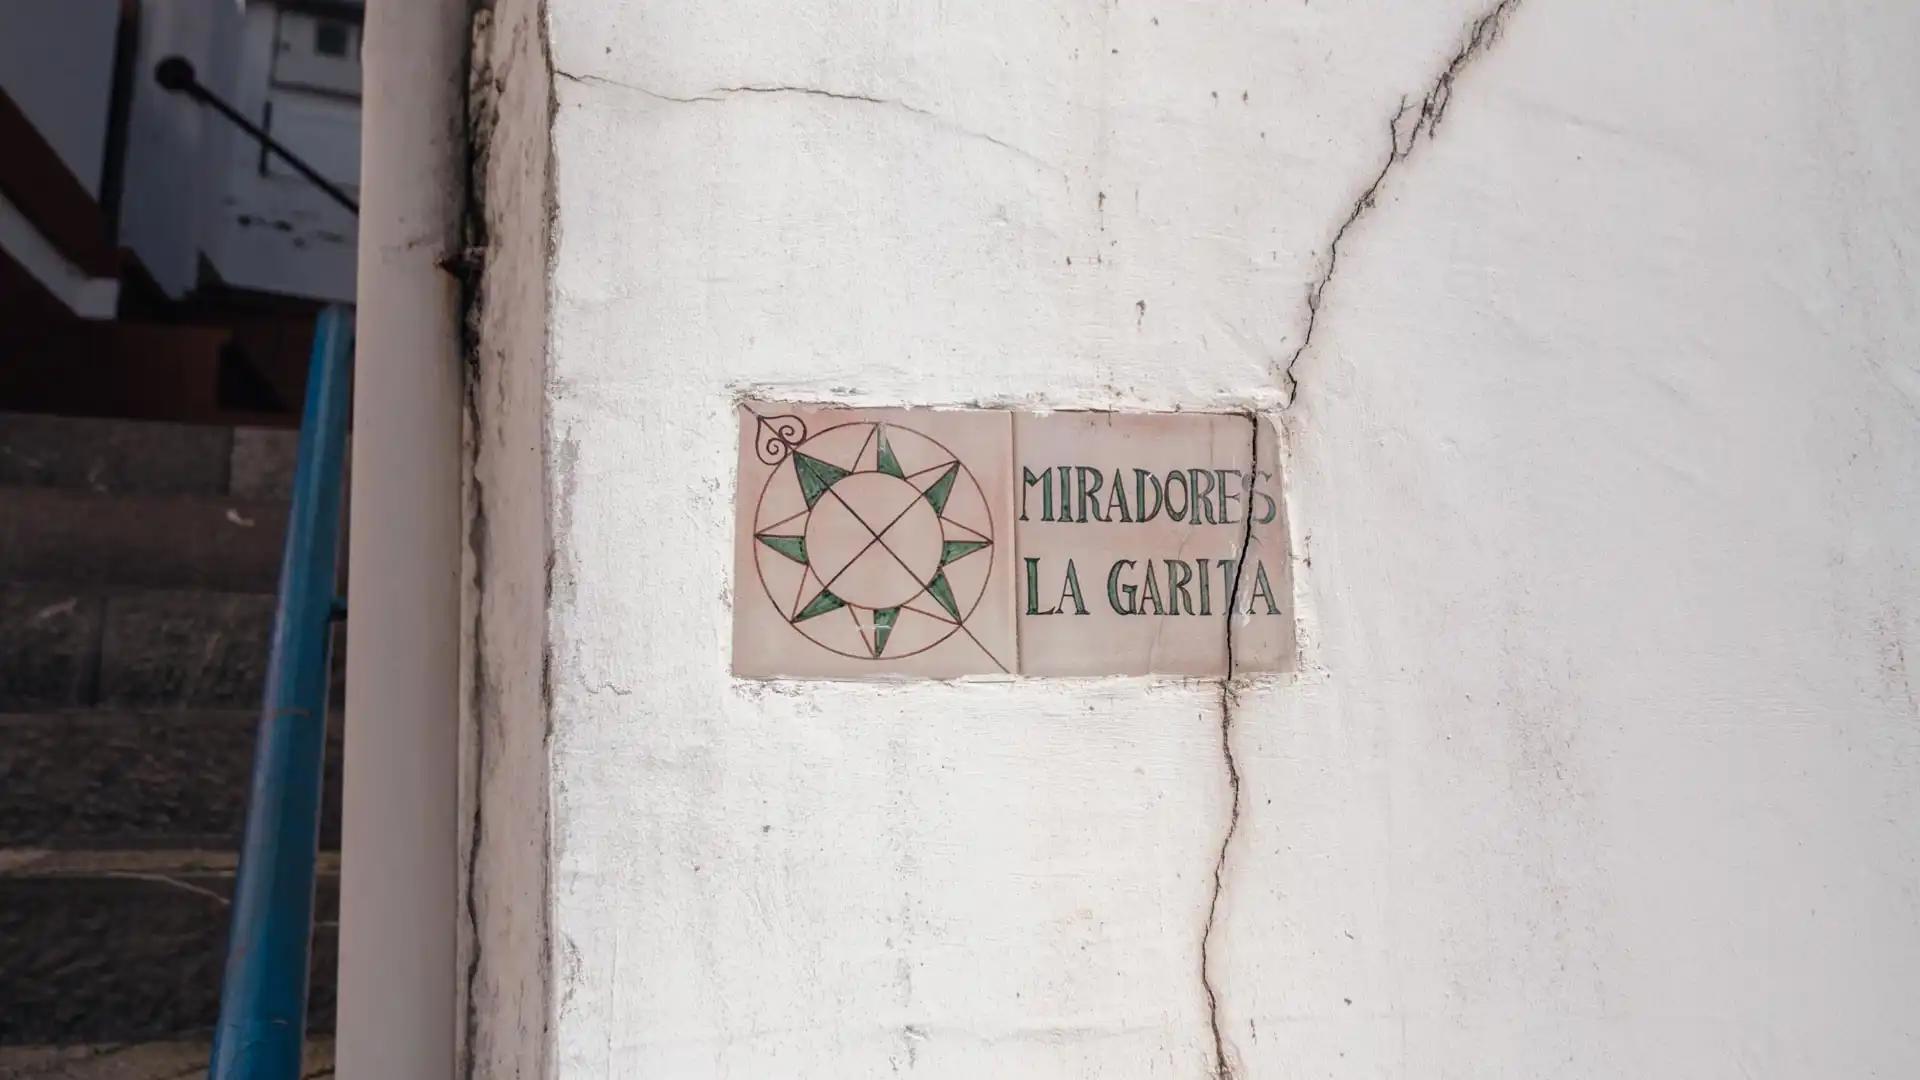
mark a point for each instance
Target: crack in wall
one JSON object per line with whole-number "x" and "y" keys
{"x": 1402, "y": 137}
{"x": 1222, "y": 1063}
{"x": 468, "y": 265}
{"x": 476, "y": 543}
{"x": 1246, "y": 531}
{"x": 477, "y": 546}
{"x": 724, "y": 93}
{"x": 1410, "y": 123}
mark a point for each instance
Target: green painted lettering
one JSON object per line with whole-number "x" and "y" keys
{"x": 1229, "y": 493}
{"x": 1150, "y": 590}
{"x": 1071, "y": 589}
{"x": 1141, "y": 478}
{"x": 1033, "y": 588}
{"x": 1117, "y": 499}
{"x": 1045, "y": 480}
{"x": 1202, "y": 497}
{"x": 1272, "y": 509}
{"x": 1089, "y": 481}
{"x": 1261, "y": 587}
{"x": 1185, "y": 496}
{"x": 1178, "y": 575}
{"x": 1115, "y": 590}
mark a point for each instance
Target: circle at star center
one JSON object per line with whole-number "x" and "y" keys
{"x": 860, "y": 569}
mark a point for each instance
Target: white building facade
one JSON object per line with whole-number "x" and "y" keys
{"x": 1588, "y": 331}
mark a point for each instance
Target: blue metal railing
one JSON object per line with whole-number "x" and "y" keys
{"x": 263, "y": 996}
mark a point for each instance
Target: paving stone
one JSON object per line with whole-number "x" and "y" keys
{"x": 49, "y": 645}
{"x": 136, "y": 780}
{"x": 113, "y": 455}
{"x": 105, "y": 1061}
{"x": 167, "y": 649}
{"x": 117, "y": 947}
{"x": 139, "y": 561}
{"x": 136, "y": 1061}
{"x": 263, "y": 462}
{"x": 156, "y": 541}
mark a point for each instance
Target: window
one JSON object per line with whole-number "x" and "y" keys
{"x": 331, "y": 38}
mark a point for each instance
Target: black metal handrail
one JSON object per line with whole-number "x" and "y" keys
{"x": 176, "y": 73}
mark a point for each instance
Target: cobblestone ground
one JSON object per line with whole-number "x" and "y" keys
{"x": 133, "y": 1061}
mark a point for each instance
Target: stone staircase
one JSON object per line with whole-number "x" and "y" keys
{"x": 138, "y": 562}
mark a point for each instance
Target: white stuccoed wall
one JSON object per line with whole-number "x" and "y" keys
{"x": 1603, "y": 471}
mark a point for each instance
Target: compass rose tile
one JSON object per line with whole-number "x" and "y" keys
{"x": 874, "y": 543}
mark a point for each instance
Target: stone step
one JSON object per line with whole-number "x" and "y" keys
{"x": 136, "y": 1061}
{"x": 134, "y": 780}
{"x": 129, "y": 946}
{"x": 70, "y": 537}
{"x": 64, "y": 647}
{"x": 114, "y": 455}
{"x": 145, "y": 456}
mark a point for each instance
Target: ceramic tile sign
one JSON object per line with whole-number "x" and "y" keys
{"x": 1129, "y": 530}
{"x": 890, "y": 543}
{"x": 873, "y": 543}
